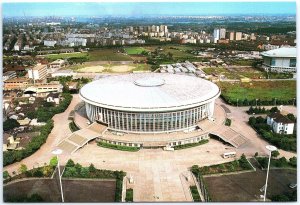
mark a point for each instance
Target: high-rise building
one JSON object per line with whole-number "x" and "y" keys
{"x": 230, "y": 35}
{"x": 222, "y": 33}
{"x": 216, "y": 35}
{"x": 163, "y": 28}
{"x": 238, "y": 36}
{"x": 39, "y": 72}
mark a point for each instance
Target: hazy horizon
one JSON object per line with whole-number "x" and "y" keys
{"x": 138, "y": 9}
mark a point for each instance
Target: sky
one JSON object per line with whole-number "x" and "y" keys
{"x": 136, "y": 9}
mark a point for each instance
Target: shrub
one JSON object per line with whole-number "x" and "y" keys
{"x": 38, "y": 173}
{"x": 195, "y": 193}
{"x": 275, "y": 153}
{"x": 10, "y": 124}
{"x": 184, "y": 146}
{"x": 293, "y": 161}
{"x": 53, "y": 161}
{"x": 22, "y": 168}
{"x": 228, "y": 122}
{"x": 129, "y": 195}
{"x": 6, "y": 175}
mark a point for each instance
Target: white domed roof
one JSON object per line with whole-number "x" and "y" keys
{"x": 149, "y": 91}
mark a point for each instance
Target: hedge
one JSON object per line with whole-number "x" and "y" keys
{"x": 195, "y": 193}
{"x": 184, "y": 146}
{"x": 118, "y": 147}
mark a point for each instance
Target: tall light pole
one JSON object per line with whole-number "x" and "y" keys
{"x": 271, "y": 149}
{"x": 237, "y": 101}
{"x": 58, "y": 152}
{"x": 294, "y": 101}
{"x": 256, "y": 101}
{"x": 275, "y": 101}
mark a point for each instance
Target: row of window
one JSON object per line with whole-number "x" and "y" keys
{"x": 147, "y": 122}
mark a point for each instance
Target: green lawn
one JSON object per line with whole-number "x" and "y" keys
{"x": 267, "y": 90}
{"x": 134, "y": 50}
{"x": 108, "y": 55}
{"x": 65, "y": 55}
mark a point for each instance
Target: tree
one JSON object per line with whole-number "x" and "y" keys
{"x": 92, "y": 168}
{"x": 70, "y": 163}
{"x": 70, "y": 172}
{"x": 291, "y": 117}
{"x": 10, "y": 124}
{"x": 6, "y": 175}
{"x": 23, "y": 168}
{"x": 53, "y": 161}
{"x": 85, "y": 172}
{"x": 274, "y": 109}
{"x": 275, "y": 153}
{"x": 293, "y": 161}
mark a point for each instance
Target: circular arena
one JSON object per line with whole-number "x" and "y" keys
{"x": 149, "y": 102}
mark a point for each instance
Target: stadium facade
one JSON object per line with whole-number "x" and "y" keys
{"x": 149, "y": 102}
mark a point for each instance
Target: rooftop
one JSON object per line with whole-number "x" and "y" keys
{"x": 277, "y": 117}
{"x": 281, "y": 52}
{"x": 39, "y": 66}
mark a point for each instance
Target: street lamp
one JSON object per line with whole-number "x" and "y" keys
{"x": 237, "y": 101}
{"x": 256, "y": 101}
{"x": 58, "y": 152}
{"x": 294, "y": 101}
{"x": 271, "y": 149}
{"x": 275, "y": 101}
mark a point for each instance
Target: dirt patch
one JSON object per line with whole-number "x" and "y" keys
{"x": 122, "y": 68}
{"x": 92, "y": 69}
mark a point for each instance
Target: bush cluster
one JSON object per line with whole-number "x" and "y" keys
{"x": 281, "y": 162}
{"x": 260, "y": 110}
{"x": 73, "y": 127}
{"x": 236, "y": 165}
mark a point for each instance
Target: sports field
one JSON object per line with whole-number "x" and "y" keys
{"x": 263, "y": 90}
{"x": 134, "y": 50}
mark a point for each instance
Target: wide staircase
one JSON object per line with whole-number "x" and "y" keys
{"x": 81, "y": 137}
{"x": 229, "y": 135}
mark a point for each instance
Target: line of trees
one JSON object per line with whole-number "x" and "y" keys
{"x": 259, "y": 102}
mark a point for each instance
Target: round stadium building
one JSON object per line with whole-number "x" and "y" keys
{"x": 149, "y": 102}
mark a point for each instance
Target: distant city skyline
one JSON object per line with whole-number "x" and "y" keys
{"x": 138, "y": 9}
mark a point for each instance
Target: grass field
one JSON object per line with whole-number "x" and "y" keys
{"x": 134, "y": 50}
{"x": 108, "y": 55}
{"x": 267, "y": 90}
{"x": 65, "y": 55}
